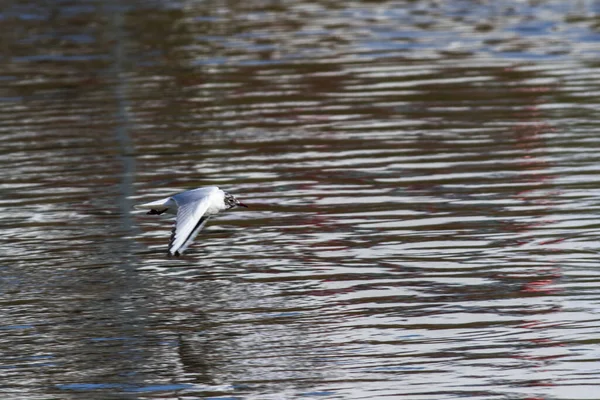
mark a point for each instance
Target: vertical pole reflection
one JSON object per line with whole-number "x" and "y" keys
{"x": 122, "y": 120}
{"x": 131, "y": 314}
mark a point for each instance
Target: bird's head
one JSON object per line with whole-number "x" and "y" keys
{"x": 231, "y": 201}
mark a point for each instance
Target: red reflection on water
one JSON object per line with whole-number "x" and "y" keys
{"x": 529, "y": 139}
{"x": 541, "y": 286}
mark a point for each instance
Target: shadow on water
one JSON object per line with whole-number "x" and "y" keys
{"x": 421, "y": 177}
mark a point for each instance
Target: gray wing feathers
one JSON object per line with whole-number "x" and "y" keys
{"x": 195, "y": 195}
{"x": 190, "y": 238}
{"x": 190, "y": 220}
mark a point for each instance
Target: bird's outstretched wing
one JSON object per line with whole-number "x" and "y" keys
{"x": 190, "y": 220}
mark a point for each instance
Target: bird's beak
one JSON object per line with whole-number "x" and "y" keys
{"x": 241, "y": 204}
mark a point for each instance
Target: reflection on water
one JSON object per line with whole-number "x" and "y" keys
{"x": 422, "y": 182}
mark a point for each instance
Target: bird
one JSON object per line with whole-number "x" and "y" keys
{"x": 192, "y": 208}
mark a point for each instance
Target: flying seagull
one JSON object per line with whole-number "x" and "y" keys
{"x": 193, "y": 209}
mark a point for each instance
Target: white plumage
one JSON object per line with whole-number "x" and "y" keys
{"x": 193, "y": 209}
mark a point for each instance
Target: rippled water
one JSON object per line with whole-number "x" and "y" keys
{"x": 423, "y": 183}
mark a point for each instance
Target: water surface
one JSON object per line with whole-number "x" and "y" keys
{"x": 423, "y": 188}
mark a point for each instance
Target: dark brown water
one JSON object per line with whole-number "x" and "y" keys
{"x": 423, "y": 180}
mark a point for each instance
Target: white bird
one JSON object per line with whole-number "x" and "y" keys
{"x": 193, "y": 209}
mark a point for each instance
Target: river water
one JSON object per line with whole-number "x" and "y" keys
{"x": 424, "y": 188}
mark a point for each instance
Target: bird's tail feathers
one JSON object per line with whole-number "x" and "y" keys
{"x": 156, "y": 205}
